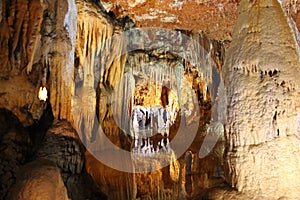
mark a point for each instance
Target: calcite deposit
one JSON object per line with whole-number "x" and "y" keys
{"x": 262, "y": 127}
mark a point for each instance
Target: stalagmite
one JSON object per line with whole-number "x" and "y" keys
{"x": 261, "y": 73}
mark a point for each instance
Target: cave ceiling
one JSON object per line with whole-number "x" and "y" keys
{"x": 216, "y": 18}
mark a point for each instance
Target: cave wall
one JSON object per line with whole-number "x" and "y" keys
{"x": 41, "y": 42}
{"x": 37, "y": 49}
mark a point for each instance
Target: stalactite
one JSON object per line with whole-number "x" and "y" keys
{"x": 99, "y": 40}
{"x": 33, "y": 32}
{"x": 21, "y": 31}
{"x": 179, "y": 74}
{"x": 86, "y": 49}
{"x": 22, "y": 28}
{"x": 174, "y": 75}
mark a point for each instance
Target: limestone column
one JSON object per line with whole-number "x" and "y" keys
{"x": 261, "y": 74}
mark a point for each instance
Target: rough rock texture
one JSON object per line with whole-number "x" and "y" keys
{"x": 62, "y": 146}
{"x": 215, "y": 18}
{"x": 79, "y": 93}
{"x": 59, "y": 44}
{"x": 151, "y": 65}
{"x": 100, "y": 64}
{"x": 40, "y": 41}
{"x": 39, "y": 179}
{"x": 180, "y": 14}
{"x": 261, "y": 79}
{"x": 15, "y": 147}
{"x": 83, "y": 186}
{"x": 20, "y": 96}
{"x": 70, "y": 48}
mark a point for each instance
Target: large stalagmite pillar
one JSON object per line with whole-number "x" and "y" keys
{"x": 262, "y": 71}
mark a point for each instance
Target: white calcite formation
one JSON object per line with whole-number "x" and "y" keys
{"x": 261, "y": 73}
{"x": 149, "y": 121}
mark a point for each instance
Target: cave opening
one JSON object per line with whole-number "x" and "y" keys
{"x": 151, "y": 123}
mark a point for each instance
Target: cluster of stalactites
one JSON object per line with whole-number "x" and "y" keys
{"x": 148, "y": 121}
{"x": 100, "y": 61}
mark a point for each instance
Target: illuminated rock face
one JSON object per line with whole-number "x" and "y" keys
{"x": 36, "y": 47}
{"x": 149, "y": 121}
{"x": 261, "y": 73}
{"x": 39, "y": 179}
{"x": 96, "y": 86}
{"x": 215, "y": 18}
{"x": 41, "y": 42}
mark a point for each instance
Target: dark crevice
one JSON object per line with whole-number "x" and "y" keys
{"x": 271, "y": 73}
{"x": 275, "y": 123}
{"x": 38, "y": 130}
{"x": 275, "y": 116}
{"x": 165, "y": 96}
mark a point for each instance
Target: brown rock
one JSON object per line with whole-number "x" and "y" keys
{"x": 63, "y": 146}
{"x": 37, "y": 180}
{"x": 215, "y": 18}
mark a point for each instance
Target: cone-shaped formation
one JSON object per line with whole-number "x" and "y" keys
{"x": 262, "y": 81}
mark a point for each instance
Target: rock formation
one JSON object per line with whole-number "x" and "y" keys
{"x": 262, "y": 127}
{"x": 147, "y": 79}
{"x": 16, "y": 148}
{"x": 188, "y": 15}
{"x": 39, "y": 179}
{"x": 62, "y": 146}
